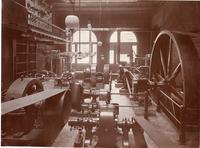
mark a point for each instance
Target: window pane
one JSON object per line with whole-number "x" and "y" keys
{"x": 113, "y": 38}
{"x": 84, "y": 36}
{"x": 84, "y": 50}
{"x": 112, "y": 56}
{"x": 83, "y": 60}
{"x": 128, "y": 42}
{"x": 94, "y": 50}
{"x": 124, "y": 58}
{"x": 127, "y": 36}
{"x": 73, "y": 50}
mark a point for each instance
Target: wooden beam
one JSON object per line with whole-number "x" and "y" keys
{"x": 192, "y": 34}
{"x": 108, "y": 1}
{"x": 97, "y": 4}
{"x": 105, "y": 1}
{"x": 105, "y": 7}
{"x": 135, "y": 29}
{"x": 96, "y": 12}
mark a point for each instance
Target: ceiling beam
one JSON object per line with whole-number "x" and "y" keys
{"x": 97, "y": 1}
{"x": 119, "y": 4}
{"x": 134, "y": 29}
{"x": 64, "y": 11}
{"x": 109, "y": 9}
{"x": 105, "y": 7}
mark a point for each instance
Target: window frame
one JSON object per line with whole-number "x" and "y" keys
{"x": 115, "y": 42}
{"x": 87, "y": 42}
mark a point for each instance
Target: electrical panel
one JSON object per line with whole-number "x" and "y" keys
{"x": 39, "y": 10}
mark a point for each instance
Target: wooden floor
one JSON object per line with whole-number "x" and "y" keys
{"x": 158, "y": 129}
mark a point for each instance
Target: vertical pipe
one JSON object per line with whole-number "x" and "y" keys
{"x": 62, "y": 65}
{"x": 79, "y": 30}
{"x": 110, "y": 82}
{"x": 76, "y": 50}
{"x": 151, "y": 38}
{"x": 90, "y": 45}
{"x": 51, "y": 62}
{"x": 118, "y": 47}
{"x": 182, "y": 126}
{"x": 68, "y": 49}
{"x": 27, "y": 60}
{"x": 146, "y": 105}
{"x": 14, "y": 70}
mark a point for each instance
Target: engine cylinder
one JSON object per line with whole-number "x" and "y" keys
{"x": 76, "y": 93}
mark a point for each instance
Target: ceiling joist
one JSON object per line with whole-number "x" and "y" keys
{"x": 104, "y": 5}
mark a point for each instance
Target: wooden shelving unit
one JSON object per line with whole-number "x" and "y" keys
{"x": 24, "y": 54}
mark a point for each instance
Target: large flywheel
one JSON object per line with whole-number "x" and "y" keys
{"x": 174, "y": 68}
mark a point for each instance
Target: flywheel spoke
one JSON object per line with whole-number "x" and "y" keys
{"x": 163, "y": 62}
{"x": 175, "y": 72}
{"x": 169, "y": 97}
{"x": 176, "y": 93}
{"x": 159, "y": 77}
{"x": 169, "y": 57}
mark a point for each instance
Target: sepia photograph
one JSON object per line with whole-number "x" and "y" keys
{"x": 100, "y": 73}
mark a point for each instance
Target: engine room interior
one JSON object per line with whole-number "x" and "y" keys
{"x": 100, "y": 73}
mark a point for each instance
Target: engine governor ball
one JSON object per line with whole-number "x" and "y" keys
{"x": 72, "y": 22}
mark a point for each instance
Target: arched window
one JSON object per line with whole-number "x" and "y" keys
{"x": 127, "y": 37}
{"x": 87, "y": 39}
{"x": 113, "y": 38}
{"x": 127, "y": 43}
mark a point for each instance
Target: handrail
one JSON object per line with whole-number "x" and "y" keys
{"x": 178, "y": 105}
{"x": 128, "y": 85}
{"x": 179, "y": 122}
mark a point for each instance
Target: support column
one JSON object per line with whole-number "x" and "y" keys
{"x": 103, "y": 50}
